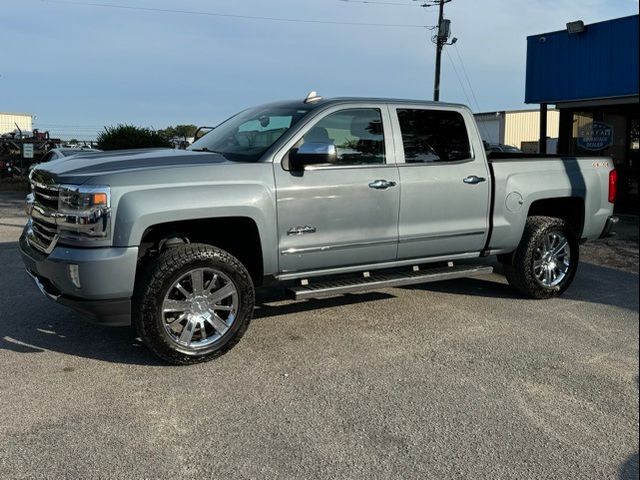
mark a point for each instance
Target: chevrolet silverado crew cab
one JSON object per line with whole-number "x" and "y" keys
{"x": 325, "y": 196}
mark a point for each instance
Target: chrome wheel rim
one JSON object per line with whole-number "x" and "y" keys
{"x": 552, "y": 259}
{"x": 199, "y": 308}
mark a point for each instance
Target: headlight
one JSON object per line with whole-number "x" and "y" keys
{"x": 84, "y": 212}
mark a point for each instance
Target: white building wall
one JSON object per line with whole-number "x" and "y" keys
{"x": 491, "y": 126}
{"x": 8, "y": 122}
{"x": 524, "y": 126}
{"x": 517, "y": 127}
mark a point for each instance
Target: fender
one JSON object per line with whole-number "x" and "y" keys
{"x": 138, "y": 210}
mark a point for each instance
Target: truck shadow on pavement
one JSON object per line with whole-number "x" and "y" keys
{"x": 31, "y": 324}
{"x": 265, "y": 309}
{"x": 593, "y": 284}
{"x": 44, "y": 326}
{"x": 629, "y": 470}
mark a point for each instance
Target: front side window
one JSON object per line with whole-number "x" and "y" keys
{"x": 246, "y": 136}
{"x": 432, "y": 136}
{"x": 356, "y": 133}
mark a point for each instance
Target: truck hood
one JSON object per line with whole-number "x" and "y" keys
{"x": 80, "y": 168}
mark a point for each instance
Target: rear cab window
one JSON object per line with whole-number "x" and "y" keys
{"x": 433, "y": 136}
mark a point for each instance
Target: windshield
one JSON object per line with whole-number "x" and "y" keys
{"x": 246, "y": 136}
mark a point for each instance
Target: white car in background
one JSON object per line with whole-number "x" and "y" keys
{"x": 63, "y": 152}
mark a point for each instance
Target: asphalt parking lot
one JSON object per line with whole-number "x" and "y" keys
{"x": 449, "y": 380}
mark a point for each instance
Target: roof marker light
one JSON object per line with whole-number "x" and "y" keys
{"x": 312, "y": 97}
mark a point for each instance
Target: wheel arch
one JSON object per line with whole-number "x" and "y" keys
{"x": 569, "y": 209}
{"x": 238, "y": 235}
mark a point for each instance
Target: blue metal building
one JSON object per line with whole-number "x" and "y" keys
{"x": 590, "y": 73}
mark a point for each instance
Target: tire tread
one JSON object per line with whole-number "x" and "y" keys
{"x": 152, "y": 282}
{"x": 517, "y": 270}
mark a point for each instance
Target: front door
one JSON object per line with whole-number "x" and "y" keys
{"x": 342, "y": 212}
{"x": 445, "y": 187}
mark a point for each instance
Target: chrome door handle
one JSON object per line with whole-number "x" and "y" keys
{"x": 473, "y": 179}
{"x": 381, "y": 184}
{"x": 301, "y": 230}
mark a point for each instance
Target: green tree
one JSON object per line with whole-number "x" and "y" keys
{"x": 182, "y": 131}
{"x": 129, "y": 136}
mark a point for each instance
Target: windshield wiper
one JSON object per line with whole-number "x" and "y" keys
{"x": 205, "y": 149}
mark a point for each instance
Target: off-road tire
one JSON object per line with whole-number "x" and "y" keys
{"x": 158, "y": 276}
{"x": 518, "y": 267}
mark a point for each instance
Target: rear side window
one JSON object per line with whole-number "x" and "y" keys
{"x": 432, "y": 136}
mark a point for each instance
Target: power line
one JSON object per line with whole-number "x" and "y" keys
{"x": 234, "y": 16}
{"x": 481, "y": 125}
{"x": 387, "y": 3}
{"x": 464, "y": 90}
{"x": 464, "y": 72}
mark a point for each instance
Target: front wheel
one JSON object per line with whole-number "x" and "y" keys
{"x": 193, "y": 303}
{"x": 546, "y": 260}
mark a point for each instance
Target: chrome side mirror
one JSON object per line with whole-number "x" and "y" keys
{"x": 312, "y": 154}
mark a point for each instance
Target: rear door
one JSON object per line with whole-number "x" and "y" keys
{"x": 445, "y": 193}
{"x": 343, "y": 213}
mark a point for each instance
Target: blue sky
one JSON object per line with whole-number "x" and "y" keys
{"x": 78, "y": 67}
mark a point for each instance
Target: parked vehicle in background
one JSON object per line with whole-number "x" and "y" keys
{"x": 57, "y": 153}
{"x": 359, "y": 193}
{"x": 498, "y": 147}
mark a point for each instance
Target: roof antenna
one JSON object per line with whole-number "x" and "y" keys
{"x": 312, "y": 97}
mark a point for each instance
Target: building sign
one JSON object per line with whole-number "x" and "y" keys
{"x": 595, "y": 136}
{"x": 27, "y": 150}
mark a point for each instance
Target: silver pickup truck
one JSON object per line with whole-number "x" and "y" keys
{"x": 325, "y": 196}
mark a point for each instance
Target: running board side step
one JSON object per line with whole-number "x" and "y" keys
{"x": 382, "y": 280}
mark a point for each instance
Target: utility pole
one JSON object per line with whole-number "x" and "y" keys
{"x": 440, "y": 41}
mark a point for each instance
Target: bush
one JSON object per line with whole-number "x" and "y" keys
{"x": 128, "y": 136}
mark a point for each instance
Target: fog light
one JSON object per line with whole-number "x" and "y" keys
{"x": 74, "y": 275}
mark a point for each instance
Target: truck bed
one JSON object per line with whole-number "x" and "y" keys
{"x": 522, "y": 182}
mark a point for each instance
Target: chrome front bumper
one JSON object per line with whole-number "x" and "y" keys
{"x": 41, "y": 287}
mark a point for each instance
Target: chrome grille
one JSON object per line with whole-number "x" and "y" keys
{"x": 46, "y": 196}
{"x": 42, "y": 205}
{"x": 44, "y": 232}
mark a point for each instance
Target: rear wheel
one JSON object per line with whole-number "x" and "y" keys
{"x": 193, "y": 303}
{"x": 546, "y": 260}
